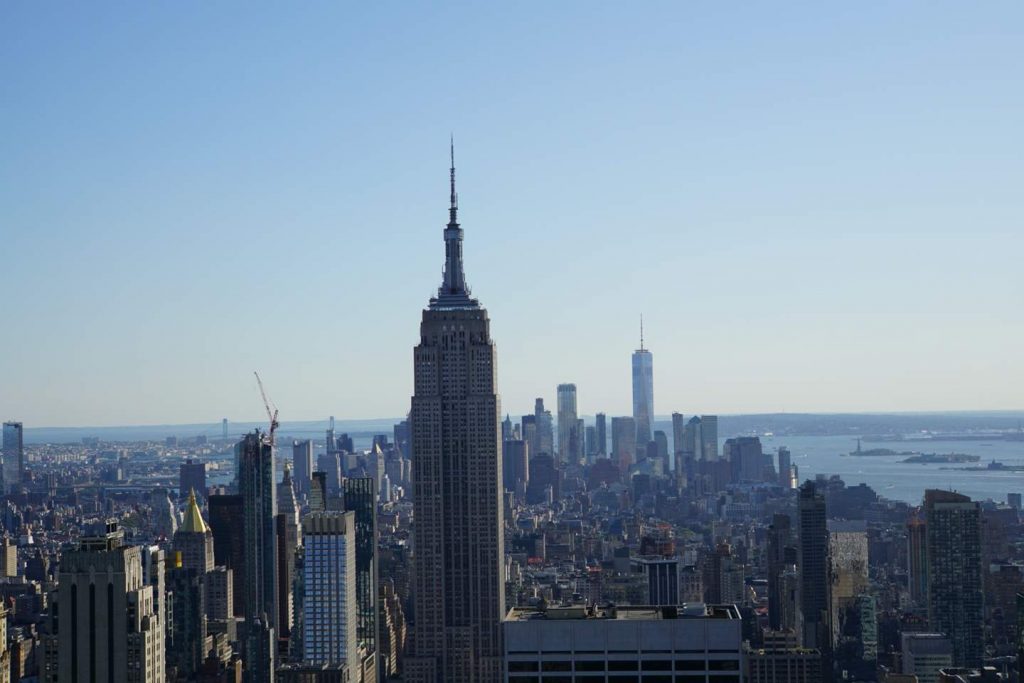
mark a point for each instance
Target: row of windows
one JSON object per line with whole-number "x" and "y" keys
{"x": 622, "y": 678}
{"x": 627, "y": 665}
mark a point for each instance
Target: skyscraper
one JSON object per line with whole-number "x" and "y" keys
{"x": 14, "y": 455}
{"x": 194, "y": 539}
{"x": 624, "y": 443}
{"x": 287, "y": 526}
{"x": 643, "y": 391}
{"x": 329, "y": 582}
{"x": 709, "y": 434}
{"x": 778, "y": 542}
{"x": 302, "y": 466}
{"x": 545, "y": 437}
{"x": 361, "y": 500}
{"x": 458, "y": 585}
{"x": 601, "y": 427}
{"x": 567, "y": 443}
{"x": 678, "y": 427}
{"x": 848, "y": 568}
{"x": 259, "y": 508}
{"x": 917, "y": 561}
{"x": 693, "y": 439}
{"x": 191, "y": 479}
{"x": 953, "y": 533}
{"x": 785, "y": 468}
{"x": 109, "y": 629}
{"x": 814, "y": 563}
{"x": 227, "y": 522}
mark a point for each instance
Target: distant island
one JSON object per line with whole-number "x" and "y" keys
{"x": 879, "y": 452}
{"x": 942, "y": 458}
{"x": 993, "y": 466}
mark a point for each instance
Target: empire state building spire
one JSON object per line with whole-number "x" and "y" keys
{"x": 453, "y": 292}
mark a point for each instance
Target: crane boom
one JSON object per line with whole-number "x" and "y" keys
{"x": 272, "y": 416}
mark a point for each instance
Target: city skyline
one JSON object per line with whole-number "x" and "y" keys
{"x": 812, "y": 216}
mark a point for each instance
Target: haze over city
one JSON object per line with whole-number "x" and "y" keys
{"x": 815, "y": 208}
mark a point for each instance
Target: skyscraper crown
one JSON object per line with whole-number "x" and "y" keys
{"x": 453, "y": 293}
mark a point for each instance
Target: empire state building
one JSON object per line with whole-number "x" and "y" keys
{"x": 459, "y": 583}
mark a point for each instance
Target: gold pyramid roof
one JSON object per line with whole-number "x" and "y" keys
{"x": 193, "y": 517}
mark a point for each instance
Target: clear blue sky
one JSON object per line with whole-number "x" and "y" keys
{"x": 817, "y": 206}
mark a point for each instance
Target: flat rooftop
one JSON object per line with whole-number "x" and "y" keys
{"x": 690, "y": 610}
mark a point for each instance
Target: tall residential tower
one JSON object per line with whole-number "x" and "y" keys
{"x": 458, "y": 585}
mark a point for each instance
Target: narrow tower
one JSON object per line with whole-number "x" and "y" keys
{"x": 458, "y": 585}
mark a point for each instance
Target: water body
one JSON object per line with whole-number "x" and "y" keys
{"x": 893, "y": 479}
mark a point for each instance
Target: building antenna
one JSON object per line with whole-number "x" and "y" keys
{"x": 641, "y": 331}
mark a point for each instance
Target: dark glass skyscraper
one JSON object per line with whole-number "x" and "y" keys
{"x": 227, "y": 522}
{"x": 778, "y": 541}
{"x": 361, "y": 499}
{"x": 459, "y": 587}
{"x": 259, "y": 506}
{"x": 814, "y": 582}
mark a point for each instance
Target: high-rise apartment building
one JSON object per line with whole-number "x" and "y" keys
{"x": 329, "y": 587}
{"x": 568, "y": 451}
{"x": 814, "y": 566}
{"x": 953, "y": 533}
{"x": 643, "y": 392}
{"x": 109, "y": 629}
{"x": 14, "y": 455}
{"x": 302, "y": 466}
{"x": 259, "y": 508}
{"x": 459, "y": 583}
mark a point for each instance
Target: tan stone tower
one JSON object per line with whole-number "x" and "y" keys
{"x": 459, "y": 585}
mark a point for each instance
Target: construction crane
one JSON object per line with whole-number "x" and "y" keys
{"x": 267, "y": 404}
